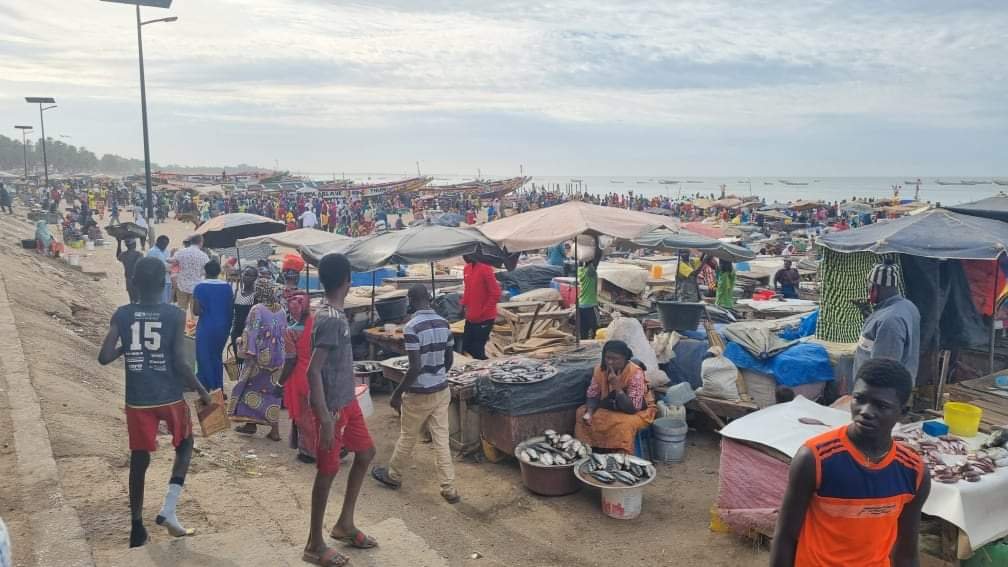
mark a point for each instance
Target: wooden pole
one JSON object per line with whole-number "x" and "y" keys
{"x": 577, "y": 294}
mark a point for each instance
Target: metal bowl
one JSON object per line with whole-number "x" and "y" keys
{"x": 581, "y": 472}
{"x": 546, "y": 480}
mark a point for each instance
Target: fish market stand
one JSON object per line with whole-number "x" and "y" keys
{"x": 756, "y": 451}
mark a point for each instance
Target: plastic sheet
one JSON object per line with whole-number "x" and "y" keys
{"x": 527, "y": 278}
{"x": 567, "y": 389}
{"x": 803, "y": 363}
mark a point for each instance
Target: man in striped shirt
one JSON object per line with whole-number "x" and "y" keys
{"x": 423, "y": 396}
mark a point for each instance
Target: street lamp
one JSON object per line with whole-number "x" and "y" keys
{"x": 43, "y": 100}
{"x": 143, "y": 87}
{"x": 24, "y": 146}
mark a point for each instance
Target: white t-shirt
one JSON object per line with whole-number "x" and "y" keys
{"x": 308, "y": 219}
{"x": 191, "y": 261}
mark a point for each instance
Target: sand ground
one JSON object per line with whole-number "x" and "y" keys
{"x": 249, "y": 498}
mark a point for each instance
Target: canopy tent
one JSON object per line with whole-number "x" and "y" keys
{"x": 705, "y": 229}
{"x": 801, "y": 205}
{"x": 772, "y": 214}
{"x": 417, "y": 244}
{"x": 543, "y": 228}
{"x": 664, "y": 239}
{"x": 995, "y": 207}
{"x": 702, "y": 203}
{"x": 727, "y": 203}
{"x": 296, "y": 238}
{"x": 225, "y": 230}
{"x": 937, "y": 233}
{"x": 856, "y": 207}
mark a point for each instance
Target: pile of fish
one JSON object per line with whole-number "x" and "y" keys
{"x": 626, "y": 469}
{"x": 521, "y": 371}
{"x": 402, "y": 364}
{"x": 556, "y": 450}
{"x": 949, "y": 458}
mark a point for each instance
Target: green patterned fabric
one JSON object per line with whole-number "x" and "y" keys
{"x": 843, "y": 278}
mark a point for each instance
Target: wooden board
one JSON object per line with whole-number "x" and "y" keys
{"x": 995, "y": 407}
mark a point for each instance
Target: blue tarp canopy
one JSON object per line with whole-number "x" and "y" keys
{"x": 665, "y": 239}
{"x": 995, "y": 207}
{"x": 937, "y": 233}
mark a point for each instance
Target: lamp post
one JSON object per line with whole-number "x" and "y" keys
{"x": 24, "y": 146}
{"x": 40, "y": 100}
{"x": 149, "y": 203}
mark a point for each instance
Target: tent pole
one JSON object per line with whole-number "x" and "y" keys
{"x": 371, "y": 313}
{"x": 432, "y": 280}
{"x": 307, "y": 283}
{"x": 994, "y": 295}
{"x": 577, "y": 295}
{"x": 238, "y": 264}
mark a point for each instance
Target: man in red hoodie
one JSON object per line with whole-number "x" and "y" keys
{"x": 479, "y": 304}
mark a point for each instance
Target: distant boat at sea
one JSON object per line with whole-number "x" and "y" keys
{"x": 615, "y": 181}
{"x": 965, "y": 182}
{"x": 693, "y": 181}
{"x": 670, "y": 182}
{"x": 786, "y": 182}
{"x": 940, "y": 182}
{"x": 918, "y": 182}
{"x": 1001, "y": 182}
{"x": 768, "y": 183}
{"x": 575, "y": 180}
{"x": 641, "y": 182}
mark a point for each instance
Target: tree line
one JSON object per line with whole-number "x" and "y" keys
{"x": 64, "y": 158}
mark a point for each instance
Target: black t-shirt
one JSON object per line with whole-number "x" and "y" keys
{"x": 147, "y": 332}
{"x": 129, "y": 259}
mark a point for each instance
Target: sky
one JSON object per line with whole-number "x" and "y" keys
{"x": 558, "y": 87}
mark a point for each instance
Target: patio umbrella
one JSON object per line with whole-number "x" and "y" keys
{"x": 663, "y": 239}
{"x": 224, "y": 231}
{"x": 297, "y": 238}
{"x": 419, "y": 244}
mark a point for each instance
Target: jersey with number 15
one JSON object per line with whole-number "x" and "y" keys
{"x": 147, "y": 333}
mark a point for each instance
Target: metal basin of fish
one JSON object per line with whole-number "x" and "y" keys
{"x": 546, "y": 479}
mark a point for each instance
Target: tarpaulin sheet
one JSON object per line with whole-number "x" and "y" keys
{"x": 992, "y": 208}
{"x": 685, "y": 366}
{"x": 751, "y": 487}
{"x": 802, "y": 363}
{"x": 759, "y": 341}
{"x": 569, "y": 388}
{"x": 937, "y": 233}
{"x": 527, "y": 278}
{"x": 225, "y": 230}
{"x": 942, "y": 296}
{"x": 296, "y": 238}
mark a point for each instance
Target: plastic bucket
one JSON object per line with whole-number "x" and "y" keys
{"x": 622, "y": 503}
{"x": 89, "y": 245}
{"x": 363, "y": 393}
{"x": 74, "y": 260}
{"x": 668, "y": 440}
{"x": 963, "y": 419}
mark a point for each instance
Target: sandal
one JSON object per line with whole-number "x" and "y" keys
{"x": 381, "y": 474}
{"x": 358, "y": 539}
{"x": 328, "y": 558}
{"x": 247, "y": 429}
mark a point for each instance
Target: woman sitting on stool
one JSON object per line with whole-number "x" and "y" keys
{"x": 620, "y": 402}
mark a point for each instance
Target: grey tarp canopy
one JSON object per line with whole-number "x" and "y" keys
{"x": 414, "y": 245}
{"x": 664, "y": 239}
{"x": 225, "y": 230}
{"x": 296, "y": 238}
{"x": 938, "y": 233}
{"x": 995, "y": 207}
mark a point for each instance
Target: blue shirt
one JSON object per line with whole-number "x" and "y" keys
{"x": 160, "y": 254}
{"x": 216, "y": 301}
{"x": 555, "y": 255}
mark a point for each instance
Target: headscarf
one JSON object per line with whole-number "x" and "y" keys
{"x": 297, "y": 307}
{"x": 265, "y": 292}
{"x": 293, "y": 262}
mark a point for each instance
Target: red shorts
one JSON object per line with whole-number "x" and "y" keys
{"x": 351, "y": 432}
{"x": 142, "y": 424}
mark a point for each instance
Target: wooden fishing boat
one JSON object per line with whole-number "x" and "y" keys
{"x": 483, "y": 188}
{"x": 373, "y": 190}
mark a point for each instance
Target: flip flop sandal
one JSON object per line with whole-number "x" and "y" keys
{"x": 328, "y": 558}
{"x": 381, "y": 474}
{"x": 358, "y": 539}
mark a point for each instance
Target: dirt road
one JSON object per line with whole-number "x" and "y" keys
{"x": 249, "y": 498}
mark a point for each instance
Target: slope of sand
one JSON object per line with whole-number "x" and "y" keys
{"x": 248, "y": 496}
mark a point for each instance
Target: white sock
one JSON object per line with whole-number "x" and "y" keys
{"x": 167, "y": 516}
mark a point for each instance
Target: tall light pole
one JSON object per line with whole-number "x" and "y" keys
{"x": 149, "y": 204}
{"x": 40, "y": 100}
{"x": 24, "y": 146}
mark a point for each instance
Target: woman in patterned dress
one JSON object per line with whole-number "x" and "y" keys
{"x": 268, "y": 351}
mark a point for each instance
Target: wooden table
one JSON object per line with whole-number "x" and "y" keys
{"x": 978, "y": 392}
{"x": 377, "y": 338}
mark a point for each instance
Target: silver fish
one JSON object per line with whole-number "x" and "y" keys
{"x": 546, "y": 459}
{"x": 603, "y": 477}
{"x": 637, "y": 461}
{"x": 625, "y": 478}
{"x": 565, "y": 437}
{"x": 599, "y": 461}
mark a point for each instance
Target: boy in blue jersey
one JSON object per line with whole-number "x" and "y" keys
{"x": 149, "y": 336}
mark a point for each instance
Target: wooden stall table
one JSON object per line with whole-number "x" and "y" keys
{"x": 377, "y": 338}
{"x": 982, "y": 393}
{"x": 441, "y": 281}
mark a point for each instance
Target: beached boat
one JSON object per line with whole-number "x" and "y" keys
{"x": 486, "y": 189}
{"x": 372, "y": 190}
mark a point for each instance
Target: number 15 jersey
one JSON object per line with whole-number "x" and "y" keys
{"x": 147, "y": 333}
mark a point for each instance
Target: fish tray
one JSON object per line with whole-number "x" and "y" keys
{"x": 547, "y": 480}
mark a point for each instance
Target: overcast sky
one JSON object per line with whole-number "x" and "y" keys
{"x": 872, "y": 87}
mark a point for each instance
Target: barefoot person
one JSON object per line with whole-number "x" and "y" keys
{"x": 149, "y": 335}
{"x": 340, "y": 421}
{"x": 428, "y": 340}
{"x": 854, "y": 495}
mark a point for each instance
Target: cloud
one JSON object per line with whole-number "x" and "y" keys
{"x": 726, "y": 65}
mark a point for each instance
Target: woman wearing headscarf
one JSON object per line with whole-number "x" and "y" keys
{"x": 300, "y": 324}
{"x": 268, "y": 351}
{"x": 619, "y": 404}
{"x": 243, "y": 302}
{"x": 43, "y": 238}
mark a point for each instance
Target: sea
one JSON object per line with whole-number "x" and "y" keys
{"x": 772, "y": 189}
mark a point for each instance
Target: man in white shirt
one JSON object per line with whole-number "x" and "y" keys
{"x": 190, "y": 261}
{"x": 308, "y": 219}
